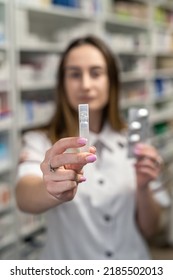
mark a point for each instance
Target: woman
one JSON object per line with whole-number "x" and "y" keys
{"x": 111, "y": 213}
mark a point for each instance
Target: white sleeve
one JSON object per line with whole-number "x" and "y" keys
{"x": 34, "y": 147}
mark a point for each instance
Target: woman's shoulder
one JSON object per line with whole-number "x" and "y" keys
{"x": 36, "y": 136}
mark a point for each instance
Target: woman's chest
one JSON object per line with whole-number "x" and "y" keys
{"x": 110, "y": 178}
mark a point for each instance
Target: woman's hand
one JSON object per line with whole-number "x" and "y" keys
{"x": 148, "y": 164}
{"x": 62, "y": 171}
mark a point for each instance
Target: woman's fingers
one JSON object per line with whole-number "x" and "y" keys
{"x": 72, "y": 158}
{"x": 148, "y": 156}
{"x": 67, "y": 143}
{"x": 62, "y": 181}
{"x": 62, "y": 154}
{"x": 66, "y": 196}
{"x": 149, "y": 172}
{"x": 145, "y": 161}
{"x": 92, "y": 149}
{"x": 62, "y": 167}
{"x": 148, "y": 164}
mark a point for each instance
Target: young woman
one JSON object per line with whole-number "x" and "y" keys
{"x": 103, "y": 210}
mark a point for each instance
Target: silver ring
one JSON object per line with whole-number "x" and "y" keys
{"x": 51, "y": 169}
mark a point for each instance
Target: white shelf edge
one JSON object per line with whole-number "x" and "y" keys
{"x": 163, "y": 25}
{"x": 163, "y": 53}
{"x": 41, "y": 47}
{"x": 164, "y": 98}
{"x": 125, "y": 104}
{"x": 133, "y": 52}
{"x": 167, "y": 151}
{"x": 4, "y": 84}
{"x": 161, "y": 136}
{"x": 149, "y": 101}
{"x": 57, "y": 10}
{"x": 58, "y": 47}
{"x": 164, "y": 4}
{"x": 126, "y": 77}
{"x": 36, "y": 86}
{"x": 33, "y": 124}
{"x": 132, "y": 22}
{"x": 3, "y": 46}
{"x": 5, "y": 123}
{"x": 6, "y": 165}
{"x": 161, "y": 116}
{"x": 163, "y": 73}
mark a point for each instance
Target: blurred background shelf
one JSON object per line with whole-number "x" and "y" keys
{"x": 33, "y": 35}
{"x": 42, "y": 47}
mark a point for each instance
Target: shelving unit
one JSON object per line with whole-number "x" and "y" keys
{"x": 35, "y": 35}
{"x": 8, "y": 231}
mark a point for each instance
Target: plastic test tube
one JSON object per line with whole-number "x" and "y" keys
{"x": 83, "y": 112}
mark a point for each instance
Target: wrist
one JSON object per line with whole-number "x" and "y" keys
{"x": 143, "y": 189}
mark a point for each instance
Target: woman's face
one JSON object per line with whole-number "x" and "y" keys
{"x": 86, "y": 78}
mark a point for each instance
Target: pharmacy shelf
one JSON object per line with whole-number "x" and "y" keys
{"x": 126, "y": 104}
{"x": 161, "y": 116}
{"x": 162, "y": 136}
{"x": 31, "y": 125}
{"x": 159, "y": 98}
{"x": 127, "y": 77}
{"x": 167, "y": 152}
{"x": 168, "y": 53}
{"x": 36, "y": 85}
{"x": 4, "y": 85}
{"x": 42, "y": 47}
{"x": 164, "y": 4}
{"x": 163, "y": 73}
{"x": 3, "y": 46}
{"x": 51, "y": 10}
{"x": 7, "y": 208}
{"x": 130, "y": 52}
{"x": 6, "y": 165}
{"x": 131, "y": 24}
{"x": 5, "y": 123}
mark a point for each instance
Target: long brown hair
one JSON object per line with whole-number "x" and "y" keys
{"x": 65, "y": 120}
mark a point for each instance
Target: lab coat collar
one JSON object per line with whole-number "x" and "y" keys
{"x": 108, "y": 137}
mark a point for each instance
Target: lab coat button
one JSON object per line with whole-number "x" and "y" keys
{"x": 109, "y": 254}
{"x": 100, "y": 181}
{"x": 107, "y": 217}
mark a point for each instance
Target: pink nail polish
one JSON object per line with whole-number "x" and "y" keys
{"x": 91, "y": 158}
{"x": 82, "y": 140}
{"x": 139, "y": 145}
{"x": 82, "y": 179}
{"x": 137, "y": 151}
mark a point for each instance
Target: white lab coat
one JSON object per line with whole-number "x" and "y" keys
{"x": 99, "y": 223}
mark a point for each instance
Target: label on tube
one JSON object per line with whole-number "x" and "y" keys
{"x": 83, "y": 112}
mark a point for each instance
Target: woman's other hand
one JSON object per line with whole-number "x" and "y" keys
{"x": 148, "y": 164}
